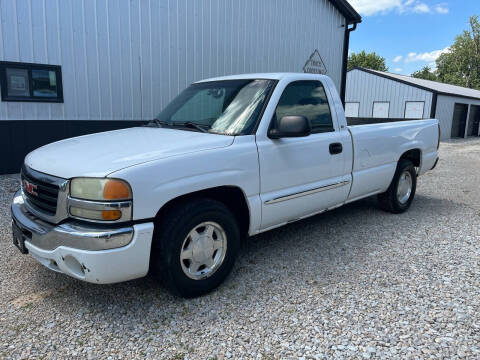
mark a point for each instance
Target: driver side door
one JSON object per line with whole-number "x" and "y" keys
{"x": 303, "y": 176}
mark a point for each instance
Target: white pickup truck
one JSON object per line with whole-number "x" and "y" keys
{"x": 229, "y": 157}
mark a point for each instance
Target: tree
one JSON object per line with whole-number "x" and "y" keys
{"x": 426, "y": 73}
{"x": 461, "y": 64}
{"x": 368, "y": 61}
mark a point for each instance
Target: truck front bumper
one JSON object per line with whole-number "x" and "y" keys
{"x": 93, "y": 253}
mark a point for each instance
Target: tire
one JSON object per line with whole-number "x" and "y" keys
{"x": 392, "y": 200}
{"x": 182, "y": 241}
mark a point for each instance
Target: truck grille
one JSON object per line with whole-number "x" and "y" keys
{"x": 40, "y": 194}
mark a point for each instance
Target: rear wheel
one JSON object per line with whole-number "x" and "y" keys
{"x": 399, "y": 196}
{"x": 195, "y": 247}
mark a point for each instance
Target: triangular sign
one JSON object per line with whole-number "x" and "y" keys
{"x": 315, "y": 64}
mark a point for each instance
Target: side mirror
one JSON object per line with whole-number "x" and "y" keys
{"x": 290, "y": 127}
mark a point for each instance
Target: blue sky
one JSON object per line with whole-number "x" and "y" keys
{"x": 410, "y": 33}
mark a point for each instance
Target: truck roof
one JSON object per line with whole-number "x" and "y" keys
{"x": 268, "y": 76}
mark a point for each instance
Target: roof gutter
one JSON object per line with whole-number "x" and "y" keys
{"x": 346, "y": 46}
{"x": 347, "y": 11}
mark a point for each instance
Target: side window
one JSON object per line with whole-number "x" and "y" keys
{"x": 306, "y": 98}
{"x": 204, "y": 106}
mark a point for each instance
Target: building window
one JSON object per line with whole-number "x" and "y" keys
{"x": 414, "y": 109}
{"x": 381, "y": 110}
{"x": 31, "y": 82}
{"x": 352, "y": 109}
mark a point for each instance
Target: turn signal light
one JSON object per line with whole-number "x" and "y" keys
{"x": 108, "y": 215}
{"x": 439, "y": 136}
{"x": 111, "y": 215}
{"x": 116, "y": 190}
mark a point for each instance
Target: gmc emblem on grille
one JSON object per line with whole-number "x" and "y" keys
{"x": 30, "y": 188}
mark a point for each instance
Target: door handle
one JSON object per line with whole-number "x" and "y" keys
{"x": 335, "y": 148}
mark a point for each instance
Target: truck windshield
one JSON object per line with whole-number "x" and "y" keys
{"x": 229, "y": 107}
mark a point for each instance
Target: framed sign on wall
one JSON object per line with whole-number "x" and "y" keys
{"x": 414, "y": 109}
{"x": 352, "y": 109}
{"x": 381, "y": 109}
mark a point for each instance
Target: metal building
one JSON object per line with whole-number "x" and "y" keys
{"x": 70, "y": 67}
{"x": 373, "y": 96}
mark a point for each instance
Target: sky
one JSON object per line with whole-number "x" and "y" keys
{"x": 410, "y": 34}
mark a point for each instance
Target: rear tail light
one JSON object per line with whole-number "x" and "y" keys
{"x": 439, "y": 136}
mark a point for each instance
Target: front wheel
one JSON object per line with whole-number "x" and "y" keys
{"x": 399, "y": 196}
{"x": 195, "y": 247}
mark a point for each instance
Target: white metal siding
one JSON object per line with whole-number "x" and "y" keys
{"x": 445, "y": 109}
{"x": 367, "y": 88}
{"x": 125, "y": 59}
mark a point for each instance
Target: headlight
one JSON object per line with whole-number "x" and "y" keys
{"x": 100, "y": 189}
{"x": 100, "y": 200}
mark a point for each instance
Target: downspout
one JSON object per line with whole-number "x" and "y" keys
{"x": 433, "y": 111}
{"x": 346, "y": 45}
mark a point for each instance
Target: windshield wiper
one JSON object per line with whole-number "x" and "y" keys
{"x": 157, "y": 123}
{"x": 202, "y": 128}
{"x": 188, "y": 124}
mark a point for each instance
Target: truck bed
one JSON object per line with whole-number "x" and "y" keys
{"x": 378, "y": 147}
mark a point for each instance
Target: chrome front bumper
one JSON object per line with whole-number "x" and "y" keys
{"x": 88, "y": 252}
{"x": 72, "y": 234}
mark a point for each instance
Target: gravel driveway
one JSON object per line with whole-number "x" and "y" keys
{"x": 352, "y": 283}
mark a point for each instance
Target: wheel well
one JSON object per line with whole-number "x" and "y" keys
{"x": 414, "y": 156}
{"x": 231, "y": 196}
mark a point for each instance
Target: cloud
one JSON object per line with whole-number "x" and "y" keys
{"x": 421, "y": 8}
{"x": 372, "y": 7}
{"x": 426, "y": 56}
{"x": 398, "y": 70}
{"x": 442, "y": 9}
{"x": 397, "y": 59}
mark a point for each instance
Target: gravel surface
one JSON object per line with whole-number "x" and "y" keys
{"x": 352, "y": 283}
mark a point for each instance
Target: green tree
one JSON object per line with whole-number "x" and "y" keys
{"x": 426, "y": 73}
{"x": 368, "y": 61}
{"x": 461, "y": 64}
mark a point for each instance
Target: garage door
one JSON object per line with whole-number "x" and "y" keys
{"x": 474, "y": 121}
{"x": 459, "y": 120}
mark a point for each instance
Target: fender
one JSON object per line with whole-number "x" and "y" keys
{"x": 156, "y": 183}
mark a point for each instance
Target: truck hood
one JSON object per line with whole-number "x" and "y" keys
{"x": 100, "y": 154}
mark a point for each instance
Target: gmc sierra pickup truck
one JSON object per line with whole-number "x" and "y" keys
{"x": 228, "y": 158}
